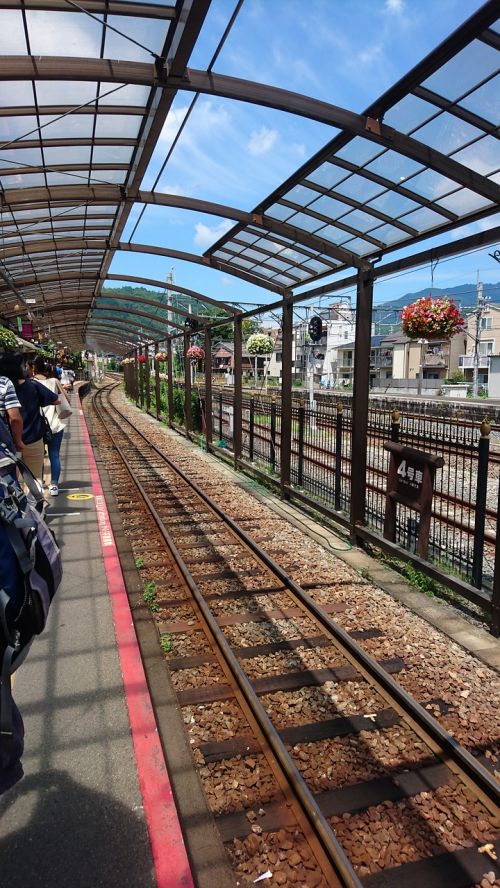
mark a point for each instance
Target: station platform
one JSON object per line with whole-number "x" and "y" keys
{"x": 95, "y": 806}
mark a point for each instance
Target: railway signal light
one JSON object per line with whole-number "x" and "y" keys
{"x": 191, "y": 324}
{"x": 315, "y": 328}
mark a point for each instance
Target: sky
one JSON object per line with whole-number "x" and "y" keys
{"x": 346, "y": 52}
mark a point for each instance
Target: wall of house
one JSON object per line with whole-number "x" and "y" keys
{"x": 399, "y": 361}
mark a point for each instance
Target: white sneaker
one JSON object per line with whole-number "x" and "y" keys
{"x": 53, "y": 490}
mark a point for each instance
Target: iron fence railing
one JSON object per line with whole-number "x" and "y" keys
{"x": 321, "y": 466}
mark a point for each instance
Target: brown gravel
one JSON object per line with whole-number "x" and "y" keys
{"x": 429, "y": 823}
{"x": 329, "y": 700}
{"x": 285, "y": 853}
{"x": 214, "y": 721}
{"x": 330, "y": 764}
{"x": 236, "y": 784}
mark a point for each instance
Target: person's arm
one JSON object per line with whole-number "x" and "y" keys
{"x": 16, "y": 426}
{"x": 46, "y": 397}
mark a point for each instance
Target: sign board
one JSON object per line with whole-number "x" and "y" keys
{"x": 27, "y": 330}
{"x": 410, "y": 483}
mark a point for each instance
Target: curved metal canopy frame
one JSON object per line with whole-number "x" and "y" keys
{"x": 76, "y": 229}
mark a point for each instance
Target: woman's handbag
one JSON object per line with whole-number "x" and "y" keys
{"x": 47, "y": 431}
{"x": 63, "y": 409}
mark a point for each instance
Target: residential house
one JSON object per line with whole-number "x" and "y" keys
{"x": 488, "y": 337}
{"x": 381, "y": 358}
{"x": 431, "y": 360}
{"x": 340, "y": 329}
{"x": 223, "y": 360}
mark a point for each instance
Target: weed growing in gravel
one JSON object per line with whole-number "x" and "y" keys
{"x": 363, "y": 572}
{"x": 166, "y": 643}
{"x": 149, "y": 596}
{"x": 421, "y": 581}
{"x": 139, "y": 563}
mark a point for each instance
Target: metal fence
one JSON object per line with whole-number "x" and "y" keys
{"x": 464, "y": 514}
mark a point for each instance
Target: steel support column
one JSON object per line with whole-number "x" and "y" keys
{"x": 286, "y": 396}
{"x": 238, "y": 376}
{"x": 157, "y": 389}
{"x": 208, "y": 387}
{"x": 188, "y": 420}
{"x": 360, "y": 397}
{"x": 170, "y": 383}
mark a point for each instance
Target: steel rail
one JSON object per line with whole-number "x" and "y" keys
{"x": 426, "y": 726}
{"x": 334, "y": 851}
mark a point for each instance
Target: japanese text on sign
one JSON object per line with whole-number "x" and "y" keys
{"x": 410, "y": 475}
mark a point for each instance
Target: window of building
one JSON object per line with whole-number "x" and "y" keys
{"x": 485, "y": 323}
{"x": 486, "y": 348}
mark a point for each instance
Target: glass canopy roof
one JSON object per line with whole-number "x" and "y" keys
{"x": 87, "y": 90}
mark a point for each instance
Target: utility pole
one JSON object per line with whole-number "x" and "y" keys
{"x": 481, "y": 304}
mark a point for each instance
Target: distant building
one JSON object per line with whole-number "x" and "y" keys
{"x": 488, "y": 344}
{"x": 340, "y": 329}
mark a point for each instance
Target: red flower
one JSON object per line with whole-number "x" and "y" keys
{"x": 195, "y": 353}
{"x": 141, "y": 359}
{"x": 431, "y": 318}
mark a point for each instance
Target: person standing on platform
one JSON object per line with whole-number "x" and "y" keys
{"x": 32, "y": 396}
{"x": 67, "y": 378}
{"x": 11, "y": 419}
{"x": 55, "y": 416}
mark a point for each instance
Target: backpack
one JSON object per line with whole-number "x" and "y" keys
{"x": 30, "y": 574}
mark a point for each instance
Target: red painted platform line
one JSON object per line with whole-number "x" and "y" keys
{"x": 167, "y": 844}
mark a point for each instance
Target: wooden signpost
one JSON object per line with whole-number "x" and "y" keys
{"x": 410, "y": 482}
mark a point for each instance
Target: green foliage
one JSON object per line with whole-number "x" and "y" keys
{"x": 139, "y": 563}
{"x": 179, "y": 408}
{"x": 8, "y": 339}
{"x": 249, "y": 326}
{"x": 421, "y": 581}
{"x": 456, "y": 376}
{"x": 166, "y": 643}
{"x": 149, "y": 596}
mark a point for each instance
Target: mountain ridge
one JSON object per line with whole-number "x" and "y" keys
{"x": 463, "y": 294}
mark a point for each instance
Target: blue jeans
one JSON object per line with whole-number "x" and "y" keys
{"x": 53, "y": 448}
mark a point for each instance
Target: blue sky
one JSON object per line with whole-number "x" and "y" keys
{"x": 346, "y": 52}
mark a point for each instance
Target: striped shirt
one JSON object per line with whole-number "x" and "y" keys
{"x": 8, "y": 399}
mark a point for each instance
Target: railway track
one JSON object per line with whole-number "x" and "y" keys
{"x": 276, "y": 711}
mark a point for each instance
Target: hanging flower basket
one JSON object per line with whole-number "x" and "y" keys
{"x": 126, "y": 361}
{"x": 260, "y": 344}
{"x": 141, "y": 359}
{"x": 160, "y": 357}
{"x": 8, "y": 339}
{"x": 195, "y": 353}
{"x": 431, "y": 318}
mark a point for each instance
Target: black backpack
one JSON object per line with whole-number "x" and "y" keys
{"x": 27, "y": 587}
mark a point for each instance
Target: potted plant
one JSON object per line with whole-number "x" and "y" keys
{"x": 429, "y": 318}
{"x": 195, "y": 353}
{"x": 260, "y": 344}
{"x": 8, "y": 339}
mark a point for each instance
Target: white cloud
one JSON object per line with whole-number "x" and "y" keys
{"x": 394, "y": 6}
{"x": 172, "y": 188}
{"x": 206, "y": 236}
{"x": 261, "y": 141}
